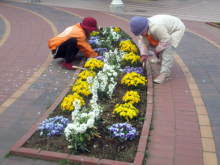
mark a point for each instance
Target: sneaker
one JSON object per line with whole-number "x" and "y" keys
{"x": 155, "y": 60}
{"x": 161, "y": 78}
{"x": 69, "y": 66}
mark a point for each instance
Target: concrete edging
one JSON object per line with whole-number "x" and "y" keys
{"x": 213, "y": 24}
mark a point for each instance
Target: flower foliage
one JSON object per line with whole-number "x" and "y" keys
{"x": 122, "y": 131}
{"x": 94, "y": 65}
{"x": 134, "y": 81}
{"x": 131, "y": 59}
{"x": 127, "y": 46}
{"x": 84, "y": 74}
{"x": 94, "y": 33}
{"x": 53, "y": 126}
{"x": 125, "y": 111}
{"x": 81, "y": 87}
{"x": 129, "y": 69}
{"x": 67, "y": 103}
{"x": 131, "y": 97}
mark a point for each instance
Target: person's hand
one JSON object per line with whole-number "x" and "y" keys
{"x": 144, "y": 57}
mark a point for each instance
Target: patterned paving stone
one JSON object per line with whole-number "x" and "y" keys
{"x": 200, "y": 56}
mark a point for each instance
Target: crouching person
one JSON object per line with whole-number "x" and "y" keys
{"x": 160, "y": 34}
{"x": 67, "y": 44}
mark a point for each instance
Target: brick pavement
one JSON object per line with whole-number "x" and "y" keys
{"x": 177, "y": 130}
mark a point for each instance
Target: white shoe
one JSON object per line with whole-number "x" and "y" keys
{"x": 161, "y": 78}
{"x": 155, "y": 60}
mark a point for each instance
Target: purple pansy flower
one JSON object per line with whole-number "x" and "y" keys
{"x": 53, "y": 126}
{"x": 122, "y": 131}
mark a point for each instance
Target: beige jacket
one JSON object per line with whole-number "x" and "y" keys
{"x": 165, "y": 28}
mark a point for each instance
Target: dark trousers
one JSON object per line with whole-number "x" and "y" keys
{"x": 67, "y": 50}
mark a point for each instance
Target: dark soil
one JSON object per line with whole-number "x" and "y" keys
{"x": 105, "y": 147}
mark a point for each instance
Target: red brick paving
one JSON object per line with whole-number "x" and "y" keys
{"x": 176, "y": 132}
{"x": 176, "y": 135}
{"x": 21, "y": 47}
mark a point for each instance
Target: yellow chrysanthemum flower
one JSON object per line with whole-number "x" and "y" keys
{"x": 81, "y": 87}
{"x": 126, "y": 111}
{"x": 94, "y": 64}
{"x": 116, "y": 29}
{"x": 131, "y": 97}
{"x": 127, "y": 46}
{"x": 133, "y": 79}
{"x": 67, "y": 103}
{"x": 84, "y": 74}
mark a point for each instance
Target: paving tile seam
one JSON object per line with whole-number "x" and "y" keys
{"x": 7, "y": 31}
{"x": 37, "y": 74}
{"x": 207, "y": 138}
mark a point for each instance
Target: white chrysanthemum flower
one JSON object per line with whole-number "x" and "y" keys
{"x": 89, "y": 79}
{"x": 72, "y": 126}
{"x": 112, "y": 80}
{"x": 84, "y": 115}
{"x": 75, "y": 114}
{"x": 115, "y": 74}
{"x": 90, "y": 123}
{"x": 83, "y": 128}
{"x": 92, "y": 115}
{"x": 78, "y": 130}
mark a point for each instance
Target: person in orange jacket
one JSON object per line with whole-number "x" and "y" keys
{"x": 67, "y": 44}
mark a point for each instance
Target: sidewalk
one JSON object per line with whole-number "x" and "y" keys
{"x": 194, "y": 10}
{"x": 181, "y": 124}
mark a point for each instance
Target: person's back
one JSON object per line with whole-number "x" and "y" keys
{"x": 173, "y": 25}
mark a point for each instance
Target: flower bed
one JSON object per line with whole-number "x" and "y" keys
{"x": 92, "y": 115}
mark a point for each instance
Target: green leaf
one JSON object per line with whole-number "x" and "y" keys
{"x": 82, "y": 148}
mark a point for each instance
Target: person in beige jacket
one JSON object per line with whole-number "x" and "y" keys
{"x": 160, "y": 34}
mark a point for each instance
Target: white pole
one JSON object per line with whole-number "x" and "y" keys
{"x": 117, "y": 6}
{"x": 117, "y": 2}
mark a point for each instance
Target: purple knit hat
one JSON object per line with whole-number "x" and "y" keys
{"x": 138, "y": 25}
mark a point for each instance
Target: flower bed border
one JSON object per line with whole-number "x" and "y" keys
{"x": 17, "y": 148}
{"x": 213, "y": 24}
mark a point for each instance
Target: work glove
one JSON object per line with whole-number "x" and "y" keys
{"x": 144, "y": 57}
{"x": 156, "y": 54}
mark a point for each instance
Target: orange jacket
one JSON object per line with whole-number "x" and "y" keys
{"x": 73, "y": 31}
